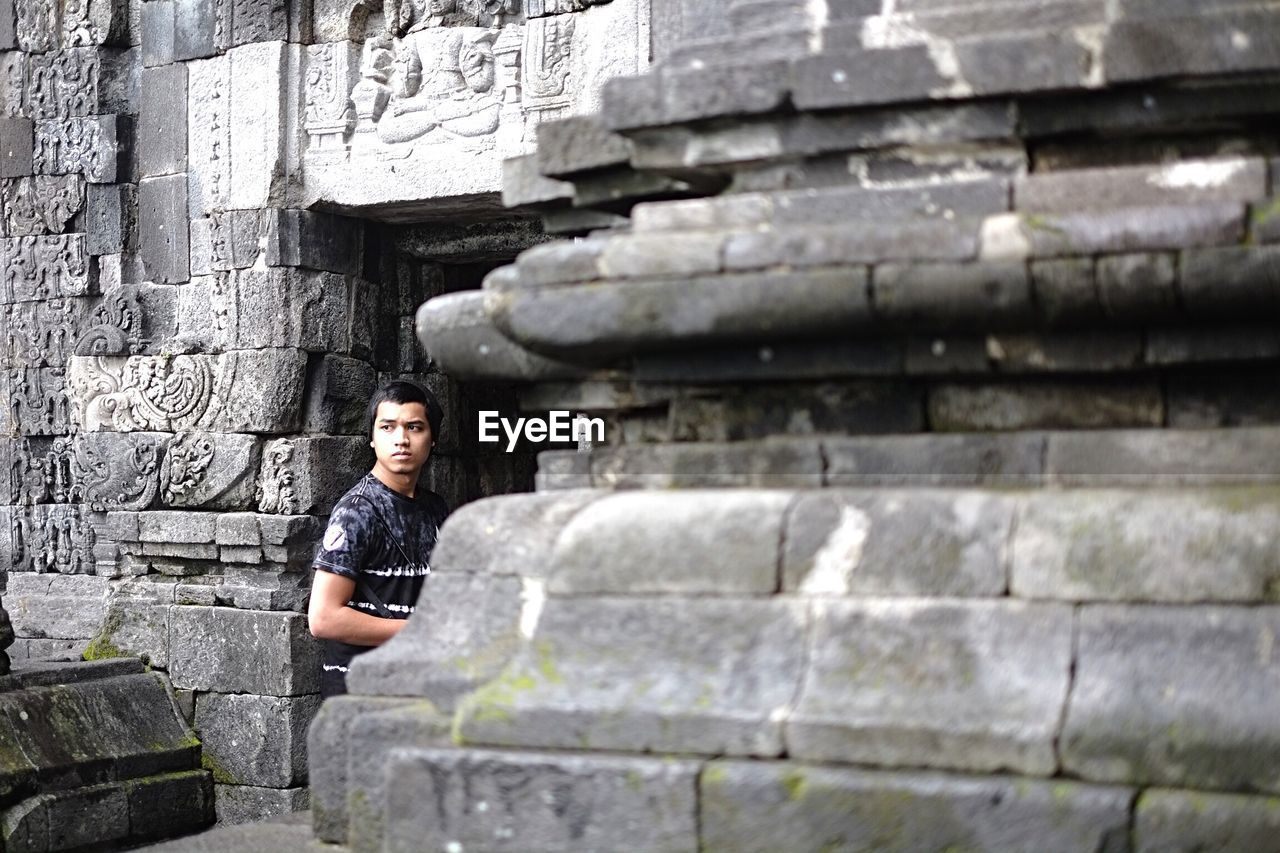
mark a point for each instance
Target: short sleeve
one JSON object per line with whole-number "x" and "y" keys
{"x": 345, "y": 541}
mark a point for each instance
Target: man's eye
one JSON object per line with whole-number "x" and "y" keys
{"x": 415, "y": 428}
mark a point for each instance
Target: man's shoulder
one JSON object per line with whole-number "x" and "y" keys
{"x": 360, "y": 498}
{"x": 433, "y": 504}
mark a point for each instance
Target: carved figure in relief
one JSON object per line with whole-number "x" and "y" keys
{"x": 185, "y": 465}
{"x": 51, "y": 539}
{"x": 37, "y": 25}
{"x": 117, "y": 325}
{"x": 44, "y": 267}
{"x": 275, "y": 489}
{"x": 63, "y": 83}
{"x": 37, "y": 404}
{"x": 46, "y": 473}
{"x": 42, "y": 204}
{"x": 115, "y": 474}
{"x": 143, "y": 393}
{"x": 40, "y": 333}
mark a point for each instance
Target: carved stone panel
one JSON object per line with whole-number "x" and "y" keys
{"x": 51, "y": 538}
{"x": 13, "y": 83}
{"x": 63, "y": 83}
{"x": 37, "y": 28}
{"x": 208, "y": 135}
{"x": 332, "y": 72}
{"x": 94, "y": 22}
{"x": 43, "y": 334}
{"x": 43, "y": 470}
{"x": 119, "y": 471}
{"x": 548, "y": 46}
{"x": 282, "y": 307}
{"x": 140, "y": 393}
{"x": 41, "y": 205}
{"x": 114, "y": 325}
{"x": 37, "y": 404}
{"x": 43, "y": 268}
{"x": 211, "y": 470}
{"x": 85, "y": 146}
{"x": 308, "y": 475}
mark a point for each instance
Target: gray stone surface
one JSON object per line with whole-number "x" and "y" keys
{"x": 238, "y": 804}
{"x": 318, "y": 241}
{"x": 688, "y": 543}
{"x": 158, "y": 31}
{"x": 174, "y": 527}
{"x": 897, "y": 543}
{"x": 16, "y": 143}
{"x": 540, "y": 802}
{"x": 1136, "y": 48}
{"x": 765, "y": 464}
{"x": 972, "y": 686}
{"x": 702, "y": 675}
{"x": 308, "y": 474}
{"x": 162, "y": 226}
{"x": 1135, "y": 229}
{"x": 866, "y": 78}
{"x": 1120, "y": 546}
{"x": 1136, "y": 287}
{"x": 241, "y": 651}
{"x": 1237, "y": 280}
{"x": 1074, "y": 404}
{"x": 943, "y": 296}
{"x": 1183, "y": 821}
{"x": 934, "y": 460}
{"x": 53, "y": 606}
{"x": 284, "y": 307}
{"x": 111, "y": 218}
{"x": 210, "y": 471}
{"x": 907, "y": 240}
{"x": 162, "y": 124}
{"x": 1169, "y": 457}
{"x": 119, "y": 471}
{"x": 1222, "y": 179}
{"x": 255, "y": 740}
{"x": 1192, "y": 714}
{"x": 338, "y": 391}
{"x": 169, "y": 805}
{"x": 97, "y": 814}
{"x": 780, "y": 805}
{"x": 261, "y": 390}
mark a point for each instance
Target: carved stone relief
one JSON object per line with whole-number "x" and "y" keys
{"x": 140, "y": 393}
{"x": 332, "y": 72}
{"x": 51, "y": 538}
{"x": 119, "y": 471}
{"x": 114, "y": 326}
{"x": 63, "y": 83}
{"x": 13, "y": 83}
{"x": 547, "y": 48}
{"x": 92, "y": 22}
{"x": 42, "y": 334}
{"x": 85, "y": 146}
{"x": 275, "y": 488}
{"x": 37, "y": 404}
{"x": 214, "y": 471}
{"x": 37, "y": 28}
{"x": 44, "y": 267}
{"x": 44, "y": 471}
{"x": 42, "y": 204}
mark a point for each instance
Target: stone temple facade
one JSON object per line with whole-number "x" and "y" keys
{"x": 937, "y": 343}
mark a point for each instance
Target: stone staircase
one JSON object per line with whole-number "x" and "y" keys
{"x": 939, "y": 502}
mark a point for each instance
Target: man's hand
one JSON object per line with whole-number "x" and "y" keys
{"x": 330, "y": 619}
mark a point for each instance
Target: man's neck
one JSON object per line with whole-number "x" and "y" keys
{"x": 405, "y": 484}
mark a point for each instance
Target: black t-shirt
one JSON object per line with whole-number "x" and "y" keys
{"x": 383, "y": 541}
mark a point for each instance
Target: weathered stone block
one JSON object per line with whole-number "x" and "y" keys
{"x": 317, "y": 241}
{"x": 97, "y": 147}
{"x": 201, "y": 28}
{"x": 822, "y": 408}
{"x": 162, "y": 125}
{"x": 49, "y": 606}
{"x": 1237, "y": 280}
{"x": 1138, "y": 286}
{"x": 261, "y": 390}
{"x": 1168, "y": 457}
{"x": 242, "y": 651}
{"x": 772, "y": 465}
{"x": 45, "y": 268}
{"x": 1142, "y": 48}
{"x": 111, "y": 219}
{"x": 550, "y": 802}
{"x": 119, "y": 471}
{"x": 208, "y": 123}
{"x": 132, "y": 628}
{"x": 952, "y": 295}
{"x": 785, "y": 806}
{"x": 1186, "y": 821}
{"x": 238, "y": 529}
{"x": 51, "y": 538}
{"x": 169, "y": 805}
{"x": 872, "y": 242}
{"x": 258, "y": 123}
{"x": 158, "y": 31}
{"x": 338, "y": 391}
{"x": 1082, "y": 546}
{"x": 1222, "y": 179}
{"x": 63, "y": 820}
{"x": 17, "y": 142}
{"x": 1063, "y": 352}
{"x": 974, "y": 686}
{"x": 255, "y": 740}
{"x": 41, "y": 204}
{"x": 212, "y": 471}
{"x": 700, "y": 675}
{"x": 1134, "y": 229}
{"x": 1198, "y": 681}
{"x": 236, "y": 804}
{"x": 899, "y": 543}
{"x": 691, "y": 542}
{"x": 172, "y": 527}
{"x": 259, "y": 21}
{"x": 162, "y": 226}
{"x": 281, "y": 307}
{"x": 1077, "y": 404}
{"x": 309, "y": 474}
{"x": 867, "y": 78}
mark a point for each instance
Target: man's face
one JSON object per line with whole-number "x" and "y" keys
{"x": 401, "y": 437}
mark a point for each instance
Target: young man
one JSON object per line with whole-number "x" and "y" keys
{"x": 376, "y": 550}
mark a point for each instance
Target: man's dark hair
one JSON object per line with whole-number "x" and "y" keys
{"x": 402, "y": 391}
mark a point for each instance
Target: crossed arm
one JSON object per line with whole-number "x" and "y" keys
{"x": 330, "y": 619}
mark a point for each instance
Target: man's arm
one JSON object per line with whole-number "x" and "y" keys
{"x": 330, "y": 619}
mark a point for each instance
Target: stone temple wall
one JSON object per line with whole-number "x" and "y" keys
{"x": 939, "y": 506}
{"x": 191, "y": 325}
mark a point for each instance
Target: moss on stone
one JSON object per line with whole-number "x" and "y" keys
{"x": 796, "y": 785}
{"x": 220, "y": 773}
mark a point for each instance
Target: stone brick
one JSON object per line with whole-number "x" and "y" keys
{"x": 264, "y": 390}
{"x": 65, "y": 820}
{"x": 162, "y": 225}
{"x": 773, "y": 465}
{"x": 524, "y": 185}
{"x": 61, "y": 607}
{"x": 550, "y": 801}
{"x": 133, "y": 627}
{"x": 210, "y": 470}
{"x": 258, "y": 121}
{"x": 1206, "y": 43}
{"x": 897, "y": 543}
{"x": 952, "y": 295}
{"x": 177, "y": 527}
{"x": 563, "y": 469}
{"x": 918, "y": 240}
{"x": 1222, "y": 179}
{"x": 1135, "y": 229}
{"x": 1138, "y": 287}
{"x": 255, "y": 740}
{"x": 866, "y": 78}
{"x": 284, "y": 307}
{"x": 1238, "y": 280}
{"x": 309, "y": 474}
{"x": 780, "y": 805}
{"x": 196, "y": 23}
{"x": 578, "y": 144}
{"x": 687, "y": 543}
{"x": 1064, "y": 352}
{"x": 169, "y": 805}
{"x": 111, "y": 218}
{"x": 1065, "y": 290}
{"x": 16, "y": 141}
{"x": 1246, "y": 342}
{"x": 1022, "y": 62}
{"x": 647, "y": 256}
{"x": 240, "y": 651}
{"x": 329, "y": 742}
{"x": 1168, "y": 457}
{"x": 1076, "y": 404}
{"x": 1186, "y": 821}
{"x": 1192, "y": 713}
{"x": 1120, "y": 546}
{"x": 663, "y": 693}
{"x": 317, "y": 241}
{"x": 162, "y": 124}
{"x": 652, "y": 314}
{"x": 824, "y": 408}
{"x": 973, "y": 686}
{"x": 259, "y": 21}
{"x": 158, "y": 30}
{"x": 237, "y": 804}
{"x": 935, "y": 460}
{"x": 1208, "y": 398}
{"x": 338, "y": 391}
